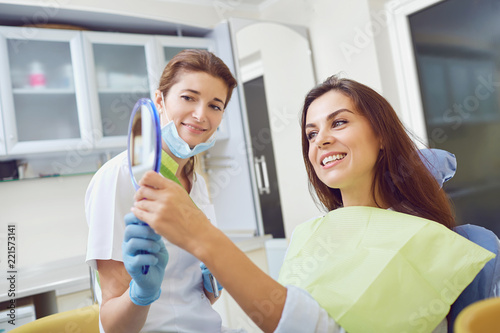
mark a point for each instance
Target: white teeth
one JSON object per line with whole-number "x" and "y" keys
{"x": 197, "y": 129}
{"x": 332, "y": 158}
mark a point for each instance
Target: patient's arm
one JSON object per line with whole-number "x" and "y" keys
{"x": 260, "y": 296}
{"x": 167, "y": 208}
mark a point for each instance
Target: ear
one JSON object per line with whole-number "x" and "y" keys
{"x": 157, "y": 100}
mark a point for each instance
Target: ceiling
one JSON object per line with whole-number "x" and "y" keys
{"x": 251, "y": 5}
{"x": 19, "y": 15}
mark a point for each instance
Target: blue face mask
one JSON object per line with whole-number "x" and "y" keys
{"x": 177, "y": 145}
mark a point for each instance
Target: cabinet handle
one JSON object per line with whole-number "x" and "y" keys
{"x": 265, "y": 175}
{"x": 262, "y": 177}
{"x": 256, "y": 163}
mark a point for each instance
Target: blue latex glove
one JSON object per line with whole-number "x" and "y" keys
{"x": 205, "y": 272}
{"x": 143, "y": 247}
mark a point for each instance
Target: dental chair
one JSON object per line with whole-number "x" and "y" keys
{"x": 480, "y": 317}
{"x": 84, "y": 320}
{"x": 486, "y": 284}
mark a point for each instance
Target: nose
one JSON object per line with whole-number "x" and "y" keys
{"x": 323, "y": 139}
{"x": 199, "y": 113}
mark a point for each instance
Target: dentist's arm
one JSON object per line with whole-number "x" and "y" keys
{"x": 126, "y": 291}
{"x": 118, "y": 313}
{"x": 167, "y": 208}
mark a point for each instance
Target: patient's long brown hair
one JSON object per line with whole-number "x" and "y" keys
{"x": 401, "y": 179}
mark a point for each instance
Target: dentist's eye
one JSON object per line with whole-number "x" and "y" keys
{"x": 216, "y": 107}
{"x": 187, "y": 98}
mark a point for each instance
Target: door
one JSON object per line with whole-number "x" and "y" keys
{"x": 263, "y": 157}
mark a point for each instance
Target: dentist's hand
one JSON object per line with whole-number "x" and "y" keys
{"x": 207, "y": 279}
{"x": 143, "y": 247}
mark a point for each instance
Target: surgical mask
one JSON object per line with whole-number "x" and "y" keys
{"x": 177, "y": 145}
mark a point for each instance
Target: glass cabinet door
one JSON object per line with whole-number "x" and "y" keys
{"x": 118, "y": 77}
{"x": 42, "y": 90}
{"x": 167, "y": 47}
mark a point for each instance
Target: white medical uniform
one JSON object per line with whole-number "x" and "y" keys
{"x": 303, "y": 314}
{"x": 182, "y": 306}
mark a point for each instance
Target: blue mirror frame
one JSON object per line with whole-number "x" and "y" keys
{"x": 141, "y": 105}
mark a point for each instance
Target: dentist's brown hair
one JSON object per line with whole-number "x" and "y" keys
{"x": 401, "y": 179}
{"x": 193, "y": 60}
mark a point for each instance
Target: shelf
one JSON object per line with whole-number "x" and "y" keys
{"x": 122, "y": 91}
{"x": 44, "y": 91}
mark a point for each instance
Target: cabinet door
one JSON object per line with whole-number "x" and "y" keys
{"x": 2, "y": 136}
{"x": 42, "y": 92}
{"x": 118, "y": 77}
{"x": 164, "y": 48}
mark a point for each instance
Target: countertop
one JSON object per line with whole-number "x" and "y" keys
{"x": 72, "y": 274}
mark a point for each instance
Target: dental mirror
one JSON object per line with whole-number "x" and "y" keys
{"x": 144, "y": 140}
{"x": 144, "y": 143}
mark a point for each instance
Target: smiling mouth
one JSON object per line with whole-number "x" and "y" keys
{"x": 332, "y": 158}
{"x": 193, "y": 127}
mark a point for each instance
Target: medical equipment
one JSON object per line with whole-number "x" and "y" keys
{"x": 144, "y": 144}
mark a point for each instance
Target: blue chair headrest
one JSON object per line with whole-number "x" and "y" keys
{"x": 440, "y": 163}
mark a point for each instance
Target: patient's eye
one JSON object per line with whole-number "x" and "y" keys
{"x": 311, "y": 135}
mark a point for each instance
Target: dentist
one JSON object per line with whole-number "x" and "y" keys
{"x": 175, "y": 294}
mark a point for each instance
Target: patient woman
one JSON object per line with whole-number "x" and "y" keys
{"x": 173, "y": 294}
{"x": 356, "y": 153}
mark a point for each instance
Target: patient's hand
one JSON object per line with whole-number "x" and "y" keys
{"x": 168, "y": 209}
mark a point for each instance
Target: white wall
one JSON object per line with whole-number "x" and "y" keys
{"x": 340, "y": 36}
{"x": 380, "y": 16}
{"x": 49, "y": 216}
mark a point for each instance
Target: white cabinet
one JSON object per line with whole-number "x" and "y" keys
{"x": 43, "y": 93}
{"x": 2, "y": 136}
{"x": 122, "y": 68}
{"x": 164, "y": 48}
{"x": 66, "y": 95}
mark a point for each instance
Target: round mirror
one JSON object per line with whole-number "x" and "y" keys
{"x": 144, "y": 140}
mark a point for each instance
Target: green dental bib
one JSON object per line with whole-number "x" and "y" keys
{"x": 168, "y": 167}
{"x": 375, "y": 270}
